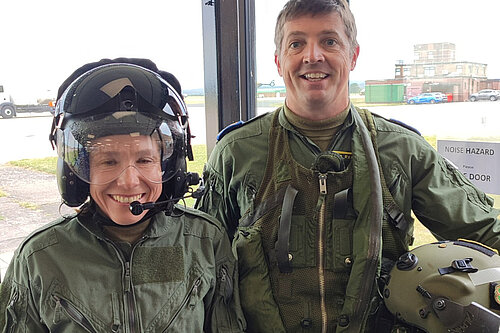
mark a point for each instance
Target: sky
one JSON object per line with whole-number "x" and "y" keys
{"x": 44, "y": 41}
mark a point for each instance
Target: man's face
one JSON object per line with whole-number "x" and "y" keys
{"x": 126, "y": 169}
{"x": 315, "y": 61}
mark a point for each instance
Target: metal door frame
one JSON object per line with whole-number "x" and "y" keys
{"x": 229, "y": 64}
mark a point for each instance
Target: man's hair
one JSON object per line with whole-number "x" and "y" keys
{"x": 297, "y": 8}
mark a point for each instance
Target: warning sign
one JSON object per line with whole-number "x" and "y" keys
{"x": 478, "y": 161}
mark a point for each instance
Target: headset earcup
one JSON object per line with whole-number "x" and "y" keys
{"x": 73, "y": 190}
{"x": 176, "y": 187}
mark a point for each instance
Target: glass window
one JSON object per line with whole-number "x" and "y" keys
{"x": 429, "y": 71}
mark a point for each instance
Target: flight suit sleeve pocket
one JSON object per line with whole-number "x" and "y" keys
{"x": 211, "y": 201}
{"x": 212, "y": 194}
{"x": 16, "y": 309}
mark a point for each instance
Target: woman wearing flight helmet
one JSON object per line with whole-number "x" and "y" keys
{"x": 121, "y": 133}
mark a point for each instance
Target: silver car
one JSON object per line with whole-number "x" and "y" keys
{"x": 485, "y": 94}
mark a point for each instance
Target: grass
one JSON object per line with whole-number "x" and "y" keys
{"x": 28, "y": 205}
{"x": 194, "y": 100}
{"x": 200, "y": 158}
{"x": 46, "y": 164}
{"x": 422, "y": 235}
{"x": 431, "y": 140}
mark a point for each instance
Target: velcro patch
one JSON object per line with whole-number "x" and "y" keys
{"x": 157, "y": 264}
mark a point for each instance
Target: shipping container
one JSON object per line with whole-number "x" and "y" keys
{"x": 385, "y": 93}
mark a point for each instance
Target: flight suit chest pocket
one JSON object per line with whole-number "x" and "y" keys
{"x": 340, "y": 233}
{"x": 64, "y": 312}
{"x": 340, "y": 256}
{"x": 302, "y": 242}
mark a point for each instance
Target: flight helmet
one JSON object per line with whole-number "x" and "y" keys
{"x": 447, "y": 286}
{"x": 119, "y": 98}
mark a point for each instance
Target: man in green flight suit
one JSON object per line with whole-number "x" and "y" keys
{"x": 318, "y": 195}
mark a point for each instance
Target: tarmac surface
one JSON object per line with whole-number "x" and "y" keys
{"x": 28, "y": 200}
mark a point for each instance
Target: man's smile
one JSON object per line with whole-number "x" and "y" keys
{"x": 314, "y": 76}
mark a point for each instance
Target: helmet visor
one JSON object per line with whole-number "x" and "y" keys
{"x": 99, "y": 149}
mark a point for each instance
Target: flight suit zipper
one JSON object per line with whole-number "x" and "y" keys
{"x": 129, "y": 290}
{"x": 72, "y": 311}
{"x": 321, "y": 251}
{"x": 129, "y": 297}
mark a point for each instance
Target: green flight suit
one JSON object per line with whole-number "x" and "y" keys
{"x": 69, "y": 277}
{"x": 418, "y": 178}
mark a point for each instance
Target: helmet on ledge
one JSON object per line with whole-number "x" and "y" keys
{"x": 448, "y": 286}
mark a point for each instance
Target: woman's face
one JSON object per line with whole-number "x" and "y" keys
{"x": 123, "y": 169}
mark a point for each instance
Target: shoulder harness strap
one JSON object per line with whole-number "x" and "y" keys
{"x": 395, "y": 213}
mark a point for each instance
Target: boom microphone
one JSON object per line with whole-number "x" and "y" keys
{"x": 137, "y": 207}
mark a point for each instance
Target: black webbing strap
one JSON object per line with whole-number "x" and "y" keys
{"x": 283, "y": 242}
{"x": 265, "y": 205}
{"x": 397, "y": 217}
{"x": 341, "y": 203}
{"x": 459, "y": 265}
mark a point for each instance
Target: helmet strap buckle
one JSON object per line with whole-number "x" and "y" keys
{"x": 459, "y": 265}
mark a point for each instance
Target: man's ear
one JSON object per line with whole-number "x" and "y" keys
{"x": 354, "y": 58}
{"x": 278, "y": 64}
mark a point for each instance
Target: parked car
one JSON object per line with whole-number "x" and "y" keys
{"x": 426, "y": 98}
{"x": 490, "y": 94}
{"x": 443, "y": 96}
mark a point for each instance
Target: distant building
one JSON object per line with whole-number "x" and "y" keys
{"x": 435, "y": 69}
{"x": 271, "y": 91}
